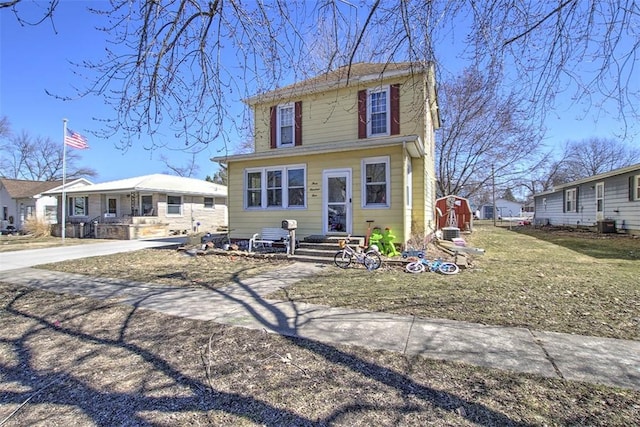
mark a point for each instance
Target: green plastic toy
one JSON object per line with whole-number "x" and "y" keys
{"x": 388, "y": 248}
{"x": 375, "y": 237}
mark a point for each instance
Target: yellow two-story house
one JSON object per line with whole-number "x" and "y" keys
{"x": 338, "y": 151}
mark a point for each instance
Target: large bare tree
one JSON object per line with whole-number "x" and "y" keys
{"x": 23, "y": 156}
{"x": 579, "y": 159}
{"x": 594, "y": 156}
{"x": 485, "y": 136}
{"x": 184, "y": 64}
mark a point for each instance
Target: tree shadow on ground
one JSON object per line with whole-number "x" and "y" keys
{"x": 63, "y": 387}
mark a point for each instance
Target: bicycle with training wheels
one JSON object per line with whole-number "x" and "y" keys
{"x": 438, "y": 265}
{"x": 348, "y": 255}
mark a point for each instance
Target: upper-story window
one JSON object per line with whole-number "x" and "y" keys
{"x": 286, "y": 125}
{"x": 379, "y": 111}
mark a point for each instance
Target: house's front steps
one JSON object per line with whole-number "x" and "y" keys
{"x": 320, "y": 248}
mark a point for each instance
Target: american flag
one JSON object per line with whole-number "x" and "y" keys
{"x": 75, "y": 140}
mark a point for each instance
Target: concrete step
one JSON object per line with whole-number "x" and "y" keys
{"x": 311, "y": 258}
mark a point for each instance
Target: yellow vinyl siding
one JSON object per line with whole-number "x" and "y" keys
{"x": 333, "y": 116}
{"x": 244, "y": 222}
{"x": 330, "y": 122}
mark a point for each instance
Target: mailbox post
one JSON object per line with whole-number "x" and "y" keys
{"x": 291, "y": 225}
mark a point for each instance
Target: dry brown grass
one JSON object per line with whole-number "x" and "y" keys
{"x": 73, "y": 360}
{"x": 68, "y": 360}
{"x": 541, "y": 280}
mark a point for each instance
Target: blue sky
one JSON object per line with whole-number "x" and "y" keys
{"x": 36, "y": 58}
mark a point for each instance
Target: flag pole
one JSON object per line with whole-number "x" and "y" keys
{"x": 64, "y": 179}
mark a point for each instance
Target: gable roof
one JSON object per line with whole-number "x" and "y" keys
{"x": 22, "y": 188}
{"x": 154, "y": 183}
{"x": 601, "y": 176}
{"x": 359, "y": 72}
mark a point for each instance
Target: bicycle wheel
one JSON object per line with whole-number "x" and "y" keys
{"x": 372, "y": 260}
{"x": 448, "y": 268}
{"x": 342, "y": 259}
{"x": 415, "y": 267}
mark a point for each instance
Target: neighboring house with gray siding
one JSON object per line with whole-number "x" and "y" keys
{"x": 598, "y": 201}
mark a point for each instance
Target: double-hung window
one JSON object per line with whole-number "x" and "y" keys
{"x": 636, "y": 179}
{"x": 378, "y": 112}
{"x": 375, "y": 182}
{"x": 209, "y": 203}
{"x": 254, "y": 189}
{"x": 570, "y": 200}
{"x": 275, "y": 187}
{"x": 174, "y": 205}
{"x": 285, "y": 126}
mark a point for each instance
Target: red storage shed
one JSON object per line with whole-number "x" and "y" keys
{"x": 454, "y": 211}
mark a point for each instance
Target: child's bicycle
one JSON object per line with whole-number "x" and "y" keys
{"x": 421, "y": 265}
{"x": 347, "y": 255}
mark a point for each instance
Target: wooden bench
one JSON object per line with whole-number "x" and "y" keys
{"x": 267, "y": 237}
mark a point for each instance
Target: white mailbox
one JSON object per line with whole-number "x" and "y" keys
{"x": 289, "y": 224}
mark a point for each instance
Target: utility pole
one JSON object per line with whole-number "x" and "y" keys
{"x": 493, "y": 186}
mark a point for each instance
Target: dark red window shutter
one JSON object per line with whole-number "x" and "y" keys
{"x": 395, "y": 109}
{"x": 273, "y": 123}
{"x": 362, "y": 114}
{"x": 298, "y": 119}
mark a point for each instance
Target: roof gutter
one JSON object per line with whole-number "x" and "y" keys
{"x": 413, "y": 144}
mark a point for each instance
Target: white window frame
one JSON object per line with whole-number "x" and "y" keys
{"x": 253, "y": 189}
{"x": 211, "y": 205}
{"x": 273, "y": 188}
{"x": 570, "y": 200}
{"x": 296, "y": 187}
{"x": 370, "y": 161}
{"x": 283, "y": 188}
{"x": 636, "y": 191}
{"x": 370, "y": 93}
{"x": 72, "y": 206}
{"x": 173, "y": 205}
{"x": 290, "y": 106}
{"x": 51, "y": 214}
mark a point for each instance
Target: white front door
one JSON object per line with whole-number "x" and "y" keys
{"x": 336, "y": 201}
{"x": 599, "y": 201}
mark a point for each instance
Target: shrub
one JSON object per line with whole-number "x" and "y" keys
{"x": 37, "y": 227}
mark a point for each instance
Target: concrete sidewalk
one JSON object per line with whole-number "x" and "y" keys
{"x": 596, "y": 360}
{"x": 12, "y": 260}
